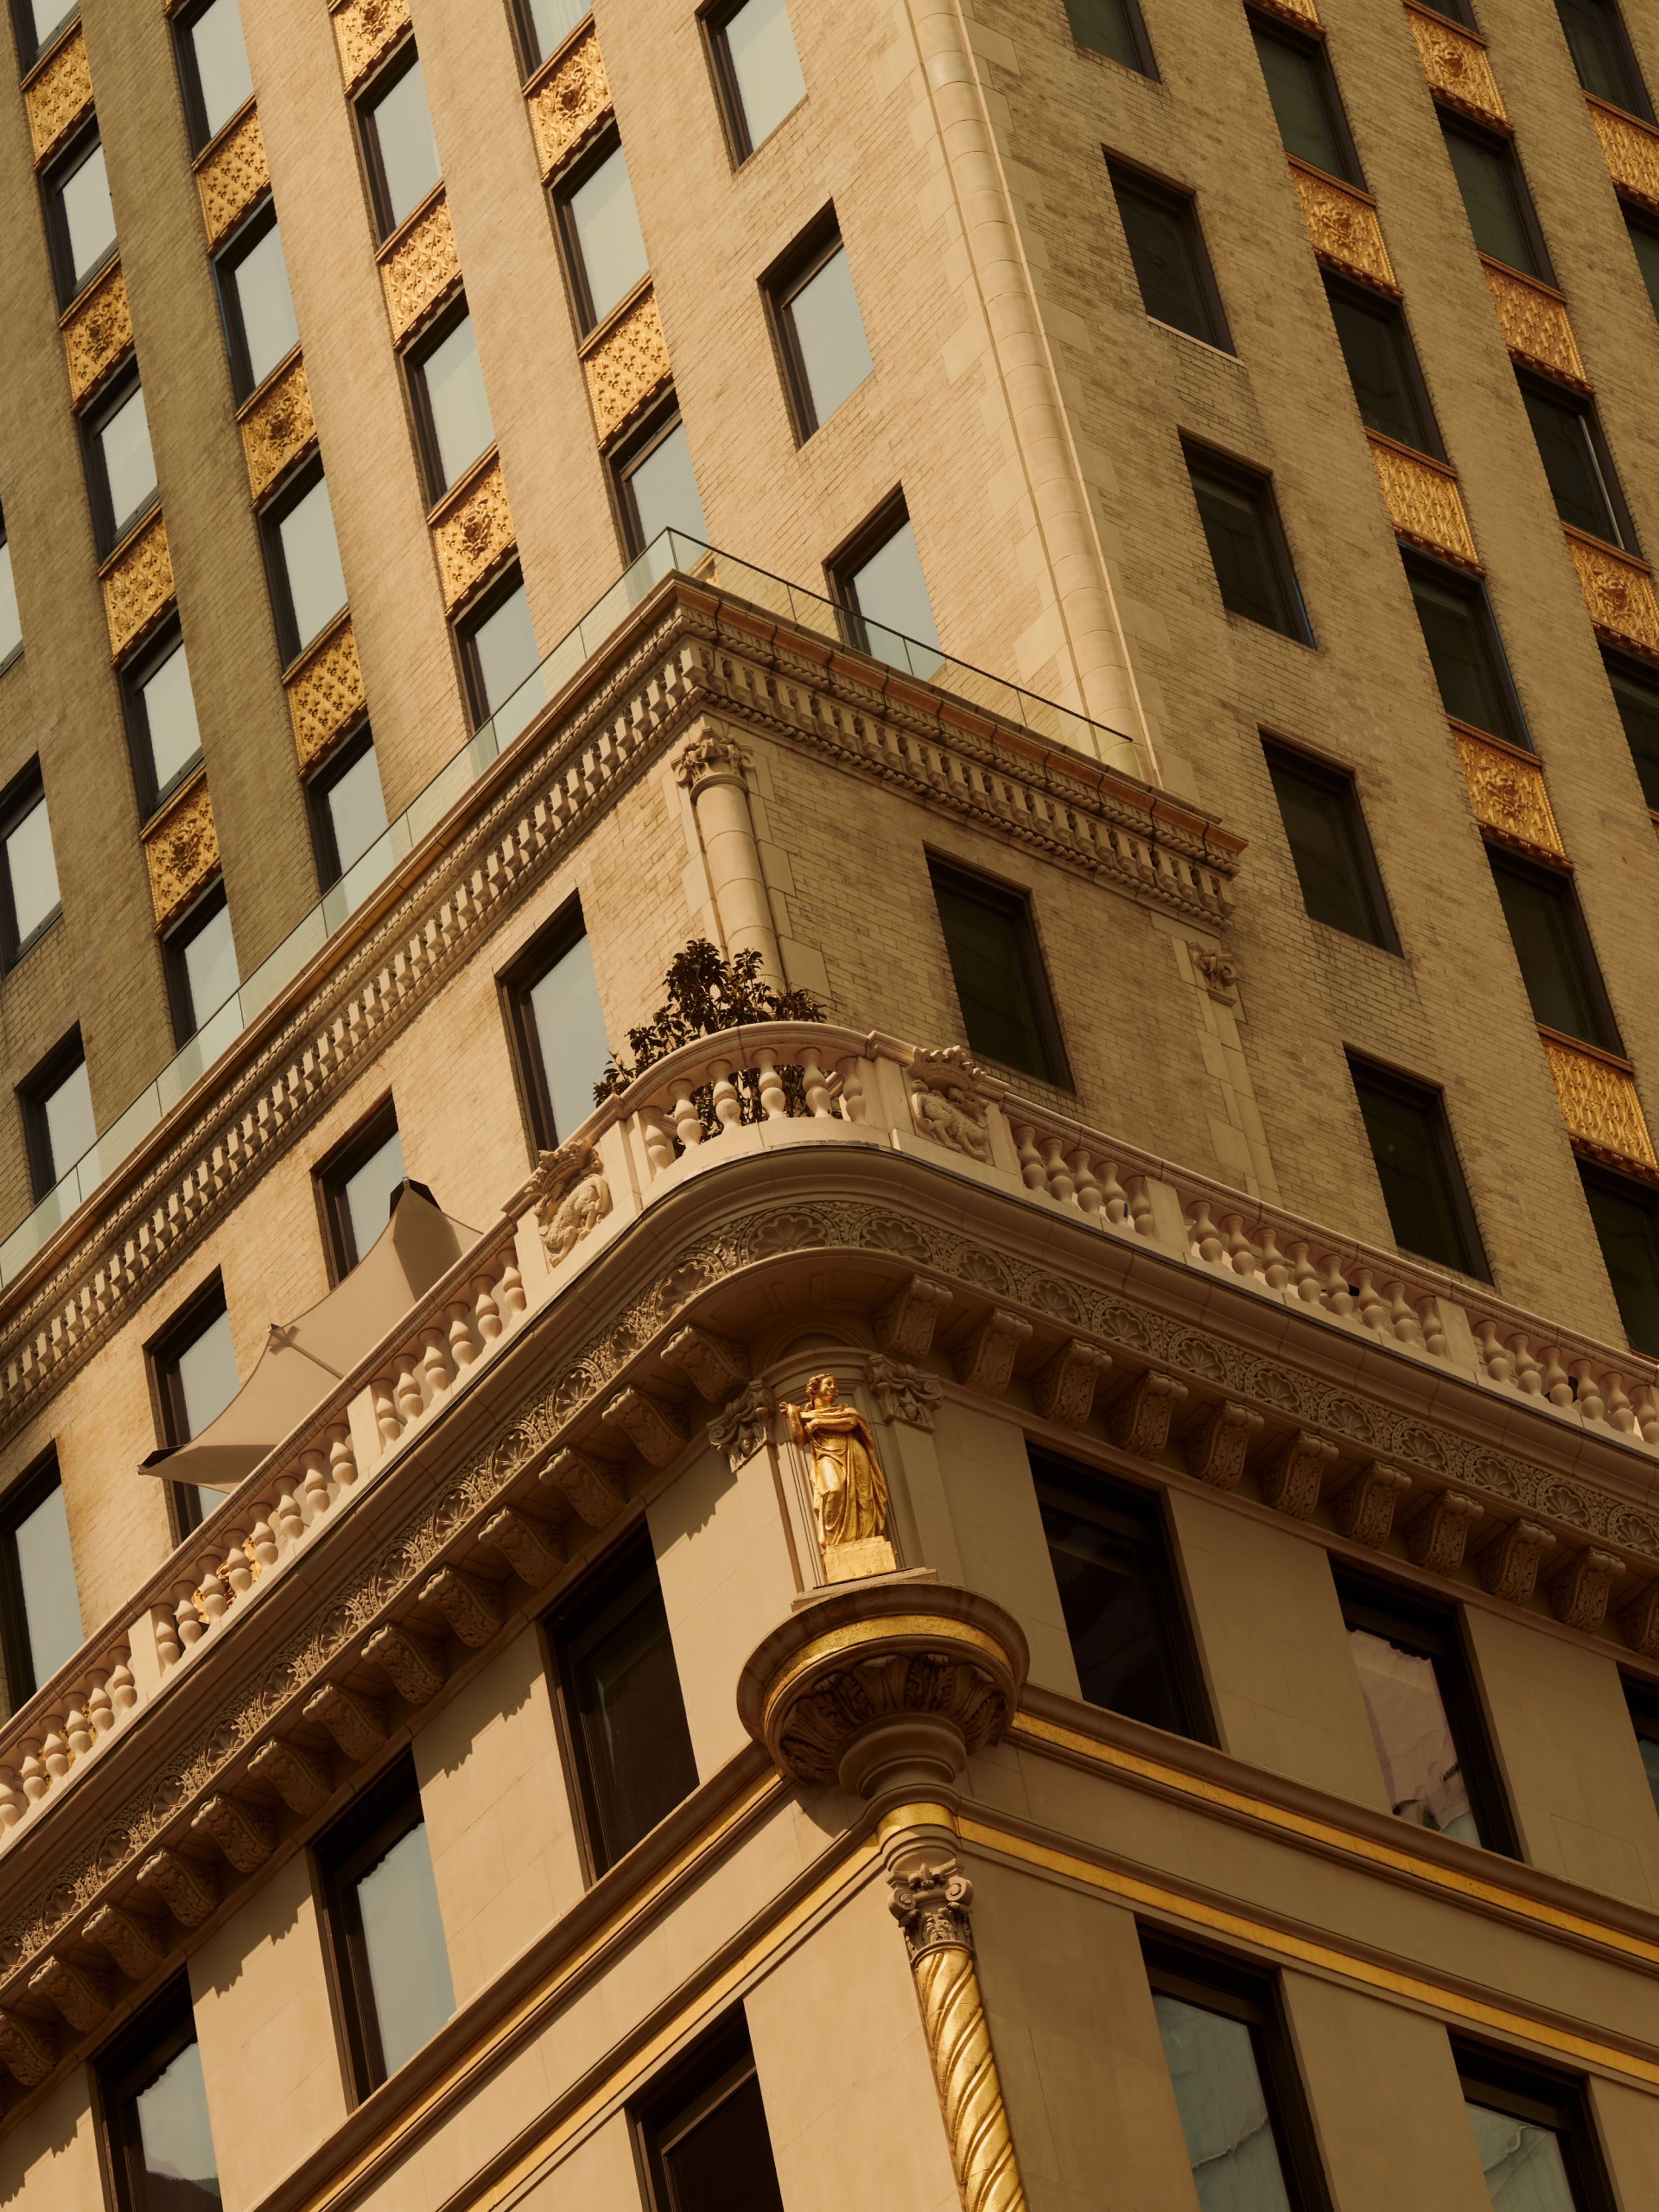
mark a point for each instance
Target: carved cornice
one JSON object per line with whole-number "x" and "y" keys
{"x": 568, "y": 100}
{"x": 626, "y": 366}
{"x": 277, "y": 426}
{"x": 138, "y": 587}
{"x": 57, "y": 93}
{"x": 97, "y": 333}
{"x": 231, "y": 175}
{"x": 472, "y": 531}
{"x": 420, "y": 266}
{"x": 182, "y": 852}
{"x": 1532, "y": 317}
{"x": 1423, "y": 502}
{"x": 1507, "y": 792}
{"x": 325, "y": 693}
{"x": 1618, "y": 593}
{"x": 1455, "y": 63}
{"x": 1343, "y": 227}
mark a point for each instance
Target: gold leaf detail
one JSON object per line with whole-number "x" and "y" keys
{"x": 1456, "y": 65}
{"x": 420, "y": 267}
{"x": 570, "y": 101}
{"x": 1422, "y": 500}
{"x": 182, "y": 852}
{"x": 1343, "y": 226}
{"x": 1532, "y": 317}
{"x": 627, "y": 367}
{"x": 97, "y": 334}
{"x": 58, "y": 94}
{"x": 364, "y": 29}
{"x": 1507, "y": 795}
{"x": 1598, "y": 1101}
{"x": 325, "y": 693}
{"x": 1630, "y": 149}
{"x": 1300, "y": 11}
{"x": 138, "y": 586}
{"x": 277, "y": 427}
{"x": 232, "y": 175}
{"x": 1618, "y": 591}
{"x": 474, "y": 534}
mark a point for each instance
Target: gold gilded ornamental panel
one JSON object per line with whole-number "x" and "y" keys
{"x": 1507, "y": 791}
{"x": 58, "y": 94}
{"x": 277, "y": 425}
{"x": 1618, "y": 593}
{"x": 627, "y": 367}
{"x": 568, "y": 100}
{"x": 420, "y": 267}
{"x": 1598, "y": 1101}
{"x": 138, "y": 587}
{"x": 1630, "y": 149}
{"x": 326, "y": 694}
{"x": 1456, "y": 62}
{"x": 1298, "y": 11}
{"x": 231, "y": 175}
{"x": 182, "y": 852}
{"x": 1423, "y": 501}
{"x": 96, "y": 334}
{"x": 473, "y": 532}
{"x": 366, "y": 29}
{"x": 1532, "y": 317}
{"x": 1343, "y": 226}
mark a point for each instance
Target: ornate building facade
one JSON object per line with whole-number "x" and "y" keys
{"x": 830, "y": 1329}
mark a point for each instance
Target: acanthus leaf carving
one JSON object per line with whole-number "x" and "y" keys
{"x": 1578, "y": 1591}
{"x": 1509, "y": 1564}
{"x": 472, "y": 1607}
{"x": 530, "y": 1547}
{"x": 713, "y": 1364}
{"x": 1063, "y": 1389}
{"x": 1216, "y": 1449}
{"x": 902, "y": 1393}
{"x": 904, "y": 1323}
{"x": 594, "y": 1489}
{"x": 415, "y": 1662}
{"x": 298, "y": 1775}
{"x": 744, "y": 1425}
{"x": 985, "y": 1360}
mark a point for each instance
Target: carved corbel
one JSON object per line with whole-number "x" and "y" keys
{"x": 357, "y": 1724}
{"x": 1509, "y": 1565}
{"x": 713, "y": 1364}
{"x": 83, "y": 1997}
{"x": 472, "y": 1607}
{"x": 534, "y": 1552}
{"x": 595, "y": 1490}
{"x": 904, "y": 1325}
{"x": 1217, "y": 1448}
{"x": 29, "y": 2047}
{"x": 744, "y": 1425}
{"x": 902, "y": 1393}
{"x": 653, "y": 1428}
{"x": 131, "y": 1938}
{"x": 185, "y": 1886}
{"x": 1639, "y": 1621}
{"x": 1063, "y": 1390}
{"x": 1436, "y": 1533}
{"x": 1138, "y": 1421}
{"x": 243, "y": 1833}
{"x": 1366, "y": 1508}
{"x": 1292, "y": 1478}
{"x": 416, "y": 1663}
{"x": 986, "y": 1361}
{"x": 299, "y": 1777}
{"x": 1579, "y": 1592}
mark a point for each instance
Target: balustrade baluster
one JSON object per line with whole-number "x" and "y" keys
{"x": 688, "y": 1123}
{"x": 816, "y": 1086}
{"x": 728, "y": 1106}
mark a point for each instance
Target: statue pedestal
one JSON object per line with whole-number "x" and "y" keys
{"x": 851, "y": 1562}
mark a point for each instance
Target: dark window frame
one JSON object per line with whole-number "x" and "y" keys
{"x": 294, "y": 484}
{"x": 388, "y": 1809}
{"x": 1178, "y": 201}
{"x": 1632, "y": 1191}
{"x": 626, "y": 455}
{"x": 412, "y": 360}
{"x": 26, "y": 791}
{"x": 1256, "y": 485}
{"x": 330, "y": 1174}
{"x": 93, "y": 421}
{"x": 146, "y": 2047}
{"x": 1341, "y": 784}
{"x": 16, "y": 651}
{"x": 712, "y": 19}
{"x": 53, "y": 176}
{"x": 1643, "y": 675}
{"x": 342, "y": 756}
{"x": 31, "y": 1488}
{"x": 43, "y": 1078}
{"x": 394, "y": 64}
{"x": 566, "y": 184}
{"x": 188, "y": 1321}
{"x": 1582, "y": 404}
{"x": 560, "y": 935}
{"x": 1138, "y": 1517}
{"x": 1210, "y": 1979}
{"x": 228, "y": 256}
{"x": 860, "y": 545}
{"x": 1140, "y": 41}
{"x": 1560, "y": 885}
{"x": 1310, "y": 41}
{"x": 30, "y": 48}
{"x": 181, "y": 932}
{"x": 1412, "y": 1091}
{"x": 719, "y": 2065}
{"x": 463, "y": 622}
{"x": 1613, "y": 15}
{"x": 1460, "y": 583}
{"x": 1455, "y": 122}
{"x": 1547, "y": 2099}
{"x": 1435, "y": 1629}
{"x": 189, "y": 84}
{"x": 158, "y": 648}
{"x": 1017, "y": 903}
{"x": 1641, "y": 1703}
{"x": 1392, "y": 313}
{"x": 811, "y": 249}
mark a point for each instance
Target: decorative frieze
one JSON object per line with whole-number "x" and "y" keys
{"x": 1598, "y": 1100}
{"x": 1455, "y": 63}
{"x": 277, "y": 426}
{"x": 138, "y": 587}
{"x": 1343, "y": 226}
{"x": 364, "y": 30}
{"x": 97, "y": 334}
{"x": 1630, "y": 149}
{"x": 231, "y": 175}
{"x": 325, "y": 693}
{"x": 1618, "y": 593}
{"x": 1507, "y": 792}
{"x": 182, "y": 852}
{"x": 58, "y": 94}
{"x": 473, "y": 532}
{"x": 1532, "y": 317}
{"x": 420, "y": 267}
{"x": 568, "y": 100}
{"x": 1423, "y": 502}
{"x": 627, "y": 367}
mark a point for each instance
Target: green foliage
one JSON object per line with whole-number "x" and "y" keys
{"x": 705, "y": 993}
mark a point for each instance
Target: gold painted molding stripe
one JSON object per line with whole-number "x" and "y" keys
{"x": 1040, "y": 1734}
{"x": 936, "y": 1626}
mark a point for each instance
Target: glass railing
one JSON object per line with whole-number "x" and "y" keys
{"x": 669, "y": 550}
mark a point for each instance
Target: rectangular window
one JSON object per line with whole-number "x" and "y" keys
{"x": 166, "y": 745}
{"x": 545, "y": 25}
{"x": 820, "y": 331}
{"x": 355, "y": 1185}
{"x": 156, "y": 2112}
{"x": 29, "y": 902}
{"x": 39, "y": 1609}
{"x": 390, "y": 1957}
{"x": 1166, "y": 248}
{"x": 1643, "y": 1700}
{"x": 57, "y": 1122}
{"x": 1602, "y": 54}
{"x": 348, "y": 810}
{"x": 1464, "y": 651}
{"x": 11, "y": 627}
{"x": 624, "y": 1715}
{"x": 703, "y": 2132}
{"x": 756, "y": 68}
{"x": 254, "y": 300}
{"x": 1625, "y": 1214}
{"x": 120, "y": 466}
{"x": 1002, "y": 986}
{"x": 1425, "y": 1713}
{"x": 1119, "y": 1599}
{"x": 38, "y": 23}
{"x": 1115, "y": 28}
{"x": 1306, "y": 104}
{"x": 1331, "y": 853}
{"x": 875, "y": 578}
{"x": 193, "y": 1366}
{"x": 1496, "y": 198}
{"x": 656, "y": 486}
{"x": 1575, "y": 463}
{"x": 1552, "y": 944}
{"x": 498, "y": 656}
{"x": 80, "y": 220}
{"x": 557, "y": 1025}
{"x": 1644, "y": 244}
{"x": 212, "y": 67}
{"x": 302, "y": 559}
{"x": 452, "y": 413}
{"x": 1383, "y": 368}
{"x": 603, "y": 249}
{"x": 1636, "y": 695}
{"x": 1249, "y": 2139}
{"x": 1247, "y": 544}
{"x": 201, "y": 965}
{"x": 1423, "y": 1186}
{"x": 1538, "y": 2150}
{"x": 400, "y": 154}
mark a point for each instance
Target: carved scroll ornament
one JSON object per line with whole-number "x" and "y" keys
{"x": 578, "y": 1199}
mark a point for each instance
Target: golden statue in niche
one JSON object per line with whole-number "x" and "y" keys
{"x": 849, "y": 1490}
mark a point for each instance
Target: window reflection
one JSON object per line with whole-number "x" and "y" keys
{"x": 1413, "y": 1738}
{"x": 1224, "y": 2108}
{"x": 1522, "y": 2162}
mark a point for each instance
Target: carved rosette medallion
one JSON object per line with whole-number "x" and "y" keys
{"x": 97, "y": 332}
{"x": 364, "y": 30}
{"x": 1343, "y": 227}
{"x": 58, "y": 94}
{"x": 1599, "y": 1101}
{"x": 325, "y": 693}
{"x": 1532, "y": 317}
{"x": 420, "y": 268}
{"x": 1507, "y": 792}
{"x": 570, "y": 102}
{"x": 138, "y": 587}
{"x": 231, "y": 175}
{"x": 1423, "y": 502}
{"x": 1456, "y": 66}
{"x": 182, "y": 852}
{"x": 277, "y": 426}
{"x": 1630, "y": 149}
{"x": 472, "y": 533}
{"x": 1618, "y": 593}
{"x": 628, "y": 367}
